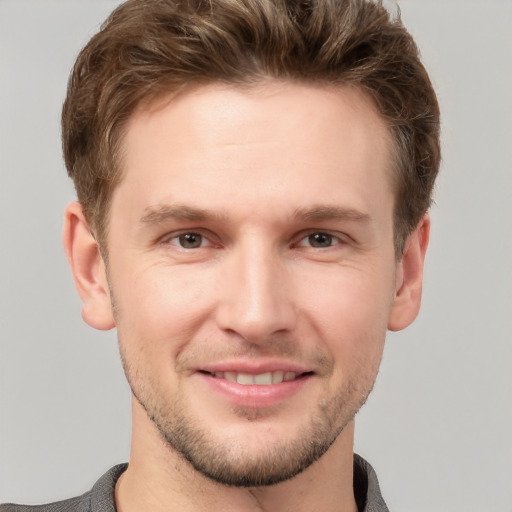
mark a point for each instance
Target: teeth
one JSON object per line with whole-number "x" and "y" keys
{"x": 262, "y": 379}
{"x": 245, "y": 378}
{"x": 277, "y": 377}
{"x": 230, "y": 376}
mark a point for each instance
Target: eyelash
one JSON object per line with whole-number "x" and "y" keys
{"x": 176, "y": 237}
{"x": 332, "y": 239}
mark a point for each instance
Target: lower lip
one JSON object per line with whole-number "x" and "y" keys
{"x": 254, "y": 395}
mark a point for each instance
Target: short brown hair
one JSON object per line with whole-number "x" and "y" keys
{"x": 149, "y": 48}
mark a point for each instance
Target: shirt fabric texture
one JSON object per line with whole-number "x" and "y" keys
{"x": 101, "y": 497}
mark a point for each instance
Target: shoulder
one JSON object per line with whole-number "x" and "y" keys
{"x": 77, "y": 504}
{"x": 99, "y": 499}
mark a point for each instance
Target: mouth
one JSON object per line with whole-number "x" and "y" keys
{"x": 255, "y": 384}
{"x": 259, "y": 379}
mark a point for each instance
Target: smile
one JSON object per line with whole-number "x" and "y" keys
{"x": 260, "y": 379}
{"x": 255, "y": 387}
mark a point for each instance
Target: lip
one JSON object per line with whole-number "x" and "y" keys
{"x": 254, "y": 395}
{"x": 254, "y": 367}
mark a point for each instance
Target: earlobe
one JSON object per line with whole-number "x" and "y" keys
{"x": 409, "y": 282}
{"x": 88, "y": 269}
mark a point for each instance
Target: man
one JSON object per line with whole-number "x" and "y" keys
{"x": 253, "y": 181}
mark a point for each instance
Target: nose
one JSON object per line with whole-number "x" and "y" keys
{"x": 256, "y": 298}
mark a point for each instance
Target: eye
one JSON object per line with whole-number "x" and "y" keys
{"x": 319, "y": 240}
{"x": 189, "y": 240}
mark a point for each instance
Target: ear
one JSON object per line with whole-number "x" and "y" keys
{"x": 88, "y": 269}
{"x": 409, "y": 278}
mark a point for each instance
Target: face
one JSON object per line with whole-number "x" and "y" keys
{"x": 253, "y": 273}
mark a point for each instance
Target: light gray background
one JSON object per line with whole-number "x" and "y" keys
{"x": 437, "y": 428}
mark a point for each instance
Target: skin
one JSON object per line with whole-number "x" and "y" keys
{"x": 285, "y": 192}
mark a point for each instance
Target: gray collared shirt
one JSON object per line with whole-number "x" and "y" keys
{"x": 101, "y": 497}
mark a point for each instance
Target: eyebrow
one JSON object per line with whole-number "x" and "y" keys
{"x": 163, "y": 213}
{"x": 160, "y": 214}
{"x": 321, "y": 212}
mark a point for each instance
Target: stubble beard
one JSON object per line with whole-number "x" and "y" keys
{"x": 235, "y": 462}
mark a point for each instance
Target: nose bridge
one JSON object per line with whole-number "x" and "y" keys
{"x": 255, "y": 300}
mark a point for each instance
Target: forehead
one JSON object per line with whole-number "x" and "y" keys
{"x": 207, "y": 109}
{"x": 278, "y": 139}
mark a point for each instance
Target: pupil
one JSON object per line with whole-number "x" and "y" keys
{"x": 190, "y": 240}
{"x": 320, "y": 240}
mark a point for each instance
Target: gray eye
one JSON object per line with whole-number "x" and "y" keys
{"x": 320, "y": 240}
{"x": 190, "y": 240}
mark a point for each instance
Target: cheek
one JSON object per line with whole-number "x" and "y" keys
{"x": 353, "y": 326}
{"x": 352, "y": 294}
{"x": 350, "y": 308}
{"x": 157, "y": 306}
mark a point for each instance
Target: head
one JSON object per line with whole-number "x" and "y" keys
{"x": 257, "y": 174}
{"x": 146, "y": 50}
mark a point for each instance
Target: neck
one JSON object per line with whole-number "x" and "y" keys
{"x": 159, "y": 479}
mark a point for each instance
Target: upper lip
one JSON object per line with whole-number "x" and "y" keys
{"x": 254, "y": 367}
